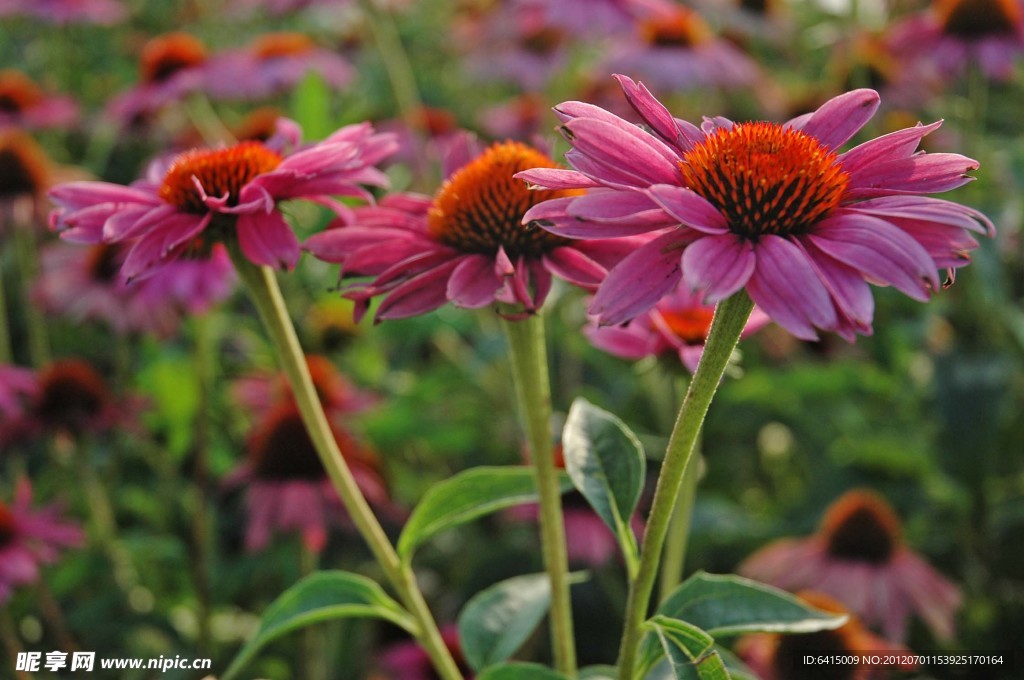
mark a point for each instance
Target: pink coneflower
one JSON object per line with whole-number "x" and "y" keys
{"x": 519, "y": 118}
{"x": 406, "y": 660}
{"x": 213, "y": 195}
{"x": 67, "y": 398}
{"x": 771, "y": 208}
{"x": 678, "y": 324}
{"x": 276, "y": 8}
{"x": 170, "y": 67}
{"x": 585, "y": 18}
{"x": 286, "y": 486}
{"x": 858, "y": 557}
{"x": 273, "y": 63}
{"x": 65, "y": 11}
{"x": 781, "y": 657}
{"x": 518, "y": 45}
{"x": 953, "y": 34}
{"x": 87, "y": 284}
{"x": 29, "y": 539}
{"x": 25, "y": 105}
{"x": 675, "y": 49}
{"x": 465, "y": 245}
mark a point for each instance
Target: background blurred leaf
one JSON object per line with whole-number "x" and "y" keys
{"x": 521, "y": 671}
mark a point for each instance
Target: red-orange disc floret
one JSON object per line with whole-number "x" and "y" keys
{"x": 221, "y": 172}
{"x": 970, "y": 19}
{"x": 861, "y": 526}
{"x": 17, "y": 92}
{"x": 689, "y": 325}
{"x": 480, "y": 208}
{"x": 24, "y": 167}
{"x": 765, "y": 178}
{"x": 680, "y": 27}
{"x": 275, "y": 45}
{"x": 165, "y": 55}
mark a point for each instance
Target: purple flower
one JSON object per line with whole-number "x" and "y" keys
{"x": 773, "y": 209}
{"x": 65, "y": 11}
{"x": 465, "y": 245}
{"x": 678, "y": 324}
{"x": 675, "y": 49}
{"x": 87, "y": 284}
{"x": 213, "y": 195}
{"x": 953, "y": 34}
{"x": 274, "y": 63}
{"x": 858, "y": 557}
{"x": 23, "y": 104}
{"x": 29, "y": 539}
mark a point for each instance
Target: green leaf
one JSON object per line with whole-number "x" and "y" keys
{"x": 606, "y": 463}
{"x": 732, "y": 605}
{"x": 521, "y": 671}
{"x": 311, "y": 106}
{"x": 463, "y": 498}
{"x": 497, "y": 621}
{"x": 322, "y": 596}
{"x": 690, "y": 651}
{"x": 602, "y": 672}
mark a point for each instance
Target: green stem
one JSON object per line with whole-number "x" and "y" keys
{"x": 11, "y": 642}
{"x": 674, "y": 558}
{"x": 27, "y": 257}
{"x": 730, "y": 318}
{"x": 205, "y": 348}
{"x": 266, "y": 295}
{"x": 6, "y": 353}
{"x": 533, "y": 391}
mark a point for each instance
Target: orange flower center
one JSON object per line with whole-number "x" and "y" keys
{"x": 72, "y": 394}
{"x": 17, "y": 92}
{"x": 259, "y": 126}
{"x": 24, "y": 168}
{"x": 765, "y": 179}
{"x": 274, "y": 45}
{"x": 480, "y": 207}
{"x": 7, "y": 530}
{"x": 973, "y": 19}
{"x": 861, "y": 527}
{"x": 847, "y": 640}
{"x": 165, "y": 55}
{"x": 221, "y": 172}
{"x": 680, "y": 27}
{"x": 689, "y": 325}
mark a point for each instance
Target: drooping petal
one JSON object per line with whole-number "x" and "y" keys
{"x": 689, "y": 208}
{"x": 635, "y": 151}
{"x": 640, "y": 280}
{"x": 718, "y": 266}
{"x": 268, "y": 240}
{"x": 419, "y": 295}
{"x": 473, "y": 283}
{"x": 786, "y": 287}
{"x": 575, "y": 267}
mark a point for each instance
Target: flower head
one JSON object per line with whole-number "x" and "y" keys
{"x": 87, "y": 284}
{"x": 25, "y": 169}
{"x": 24, "y": 104}
{"x": 230, "y": 194}
{"x": 466, "y": 245}
{"x": 956, "y": 33}
{"x": 780, "y": 657}
{"x": 858, "y": 557}
{"x": 677, "y": 325}
{"x": 29, "y": 539}
{"x": 261, "y": 392}
{"x": 66, "y": 11}
{"x": 774, "y": 209}
{"x": 273, "y": 63}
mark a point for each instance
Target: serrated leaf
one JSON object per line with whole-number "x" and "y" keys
{"x": 463, "y": 498}
{"x": 521, "y": 671}
{"x": 606, "y": 463}
{"x": 690, "y": 651}
{"x": 322, "y": 596}
{"x": 726, "y": 605}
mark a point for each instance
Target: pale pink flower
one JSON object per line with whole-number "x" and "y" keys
{"x": 65, "y": 11}
{"x": 25, "y": 105}
{"x": 858, "y": 557}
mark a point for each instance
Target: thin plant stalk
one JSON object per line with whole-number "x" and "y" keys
{"x": 533, "y": 392}
{"x": 6, "y": 353}
{"x": 51, "y": 611}
{"x": 266, "y": 295}
{"x": 674, "y": 558}
{"x": 205, "y": 347}
{"x": 730, "y": 317}
{"x": 9, "y": 636}
{"x": 27, "y": 257}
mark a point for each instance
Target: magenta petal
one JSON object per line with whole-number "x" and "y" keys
{"x": 879, "y": 250}
{"x": 555, "y": 178}
{"x": 473, "y": 283}
{"x": 159, "y": 243}
{"x": 634, "y": 151}
{"x": 77, "y": 195}
{"x": 689, "y": 208}
{"x": 839, "y": 119}
{"x": 621, "y": 341}
{"x": 718, "y": 266}
{"x": 265, "y": 238}
{"x": 918, "y": 174}
{"x": 151, "y": 220}
{"x": 786, "y": 288}
{"x": 849, "y": 290}
{"x": 899, "y": 144}
{"x": 419, "y": 295}
{"x": 575, "y": 267}
{"x": 655, "y": 114}
{"x": 640, "y": 280}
